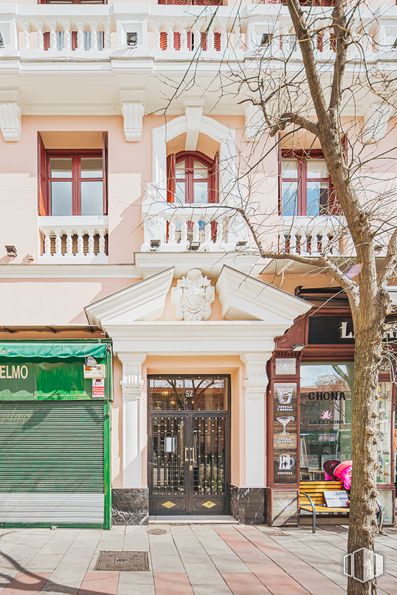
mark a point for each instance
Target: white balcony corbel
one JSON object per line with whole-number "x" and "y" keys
{"x": 10, "y": 121}
{"x": 133, "y": 112}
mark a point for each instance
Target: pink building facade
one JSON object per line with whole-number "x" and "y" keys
{"x": 118, "y": 222}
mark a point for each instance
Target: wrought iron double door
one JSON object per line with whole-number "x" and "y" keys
{"x": 189, "y": 462}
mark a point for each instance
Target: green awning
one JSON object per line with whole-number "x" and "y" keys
{"x": 55, "y": 350}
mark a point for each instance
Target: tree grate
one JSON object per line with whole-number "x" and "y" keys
{"x": 122, "y": 561}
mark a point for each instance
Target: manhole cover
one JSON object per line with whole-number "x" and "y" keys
{"x": 157, "y": 531}
{"x": 122, "y": 561}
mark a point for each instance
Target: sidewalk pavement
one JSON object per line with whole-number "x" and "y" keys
{"x": 185, "y": 559}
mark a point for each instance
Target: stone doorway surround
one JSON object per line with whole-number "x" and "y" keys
{"x": 253, "y": 314}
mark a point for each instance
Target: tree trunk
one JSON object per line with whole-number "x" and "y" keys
{"x": 362, "y": 524}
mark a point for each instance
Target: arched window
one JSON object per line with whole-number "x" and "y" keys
{"x": 192, "y": 178}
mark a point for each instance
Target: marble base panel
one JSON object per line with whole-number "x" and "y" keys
{"x": 130, "y": 506}
{"x": 282, "y": 507}
{"x": 247, "y": 505}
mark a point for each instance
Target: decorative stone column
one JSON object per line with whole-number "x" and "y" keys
{"x": 131, "y": 503}
{"x": 248, "y": 501}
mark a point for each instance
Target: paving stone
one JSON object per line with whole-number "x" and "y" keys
{"x": 242, "y": 584}
{"x": 172, "y": 583}
{"x": 211, "y": 590}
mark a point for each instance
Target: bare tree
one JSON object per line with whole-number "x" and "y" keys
{"x": 318, "y": 97}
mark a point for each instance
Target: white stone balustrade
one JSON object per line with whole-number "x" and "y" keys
{"x": 65, "y": 35}
{"x": 311, "y": 236}
{"x": 158, "y": 30}
{"x": 215, "y": 228}
{"x": 73, "y": 239}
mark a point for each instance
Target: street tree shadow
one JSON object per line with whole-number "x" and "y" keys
{"x": 42, "y": 583}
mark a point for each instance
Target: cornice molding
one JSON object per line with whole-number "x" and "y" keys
{"x": 194, "y": 338}
{"x": 210, "y": 263}
{"x": 245, "y": 298}
{"x": 68, "y": 271}
{"x": 145, "y": 300}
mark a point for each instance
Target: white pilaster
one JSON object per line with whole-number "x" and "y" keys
{"x": 134, "y": 436}
{"x": 133, "y": 112}
{"x": 255, "y": 384}
{"x": 10, "y": 121}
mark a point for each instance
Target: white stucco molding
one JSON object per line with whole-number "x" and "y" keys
{"x": 132, "y": 381}
{"x": 256, "y": 313}
{"x": 246, "y": 298}
{"x": 144, "y": 300}
{"x": 175, "y": 337}
{"x": 133, "y": 112}
{"x": 10, "y": 121}
{"x": 255, "y": 379}
{"x": 225, "y": 136}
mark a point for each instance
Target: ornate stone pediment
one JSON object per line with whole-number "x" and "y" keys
{"x": 193, "y": 296}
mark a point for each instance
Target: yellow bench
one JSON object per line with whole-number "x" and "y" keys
{"x": 311, "y": 498}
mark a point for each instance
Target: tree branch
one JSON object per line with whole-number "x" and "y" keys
{"x": 292, "y": 118}
{"x": 305, "y": 42}
{"x": 339, "y": 26}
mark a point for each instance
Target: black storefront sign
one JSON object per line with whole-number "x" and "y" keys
{"x": 338, "y": 330}
{"x": 333, "y": 330}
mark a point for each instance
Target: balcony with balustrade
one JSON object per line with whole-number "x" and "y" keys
{"x": 112, "y": 32}
{"x": 201, "y": 228}
{"x": 313, "y": 236}
{"x": 73, "y": 240}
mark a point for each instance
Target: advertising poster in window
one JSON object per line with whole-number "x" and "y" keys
{"x": 285, "y": 432}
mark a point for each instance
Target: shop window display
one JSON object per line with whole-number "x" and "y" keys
{"x": 325, "y": 420}
{"x": 326, "y": 416}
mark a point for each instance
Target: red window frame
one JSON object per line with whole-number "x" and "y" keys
{"x": 76, "y": 178}
{"x": 212, "y": 179}
{"x": 72, "y": 2}
{"x": 305, "y": 2}
{"x": 193, "y": 2}
{"x": 302, "y": 158}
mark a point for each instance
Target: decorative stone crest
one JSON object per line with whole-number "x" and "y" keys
{"x": 193, "y": 296}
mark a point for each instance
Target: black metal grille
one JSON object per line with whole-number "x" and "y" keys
{"x": 209, "y": 449}
{"x": 168, "y": 456}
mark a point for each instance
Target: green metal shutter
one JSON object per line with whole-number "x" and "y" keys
{"x": 52, "y": 462}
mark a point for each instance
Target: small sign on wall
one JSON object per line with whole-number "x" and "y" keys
{"x": 98, "y": 388}
{"x": 94, "y": 371}
{"x": 285, "y": 366}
